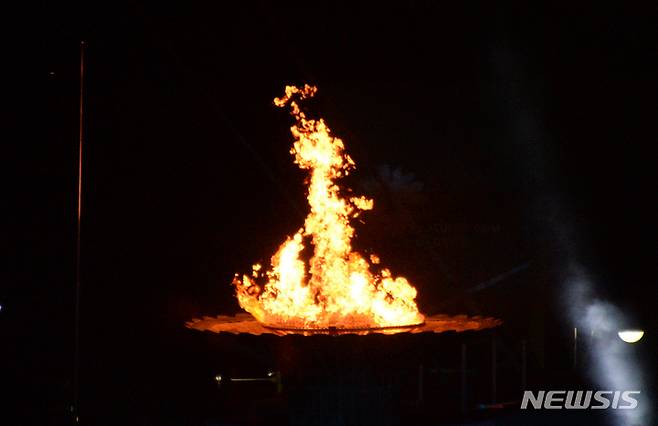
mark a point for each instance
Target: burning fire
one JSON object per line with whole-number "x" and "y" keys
{"x": 337, "y": 289}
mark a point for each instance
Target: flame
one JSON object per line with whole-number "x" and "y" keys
{"x": 338, "y": 289}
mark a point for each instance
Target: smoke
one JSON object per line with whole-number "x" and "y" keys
{"x": 612, "y": 364}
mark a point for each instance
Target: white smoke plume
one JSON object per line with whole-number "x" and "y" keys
{"x": 611, "y": 363}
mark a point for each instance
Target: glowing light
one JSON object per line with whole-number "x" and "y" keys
{"x": 336, "y": 287}
{"x": 630, "y": 336}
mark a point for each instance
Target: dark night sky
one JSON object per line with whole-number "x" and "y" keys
{"x": 517, "y": 120}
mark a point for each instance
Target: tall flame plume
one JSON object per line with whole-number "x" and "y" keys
{"x": 337, "y": 289}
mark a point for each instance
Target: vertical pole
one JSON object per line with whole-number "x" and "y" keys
{"x": 575, "y": 347}
{"x": 421, "y": 378}
{"x": 76, "y": 350}
{"x": 463, "y": 379}
{"x": 493, "y": 369}
{"x": 279, "y": 384}
{"x": 524, "y": 365}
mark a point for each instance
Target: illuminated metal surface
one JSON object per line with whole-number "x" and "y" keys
{"x": 246, "y": 324}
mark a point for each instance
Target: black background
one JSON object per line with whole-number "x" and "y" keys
{"x": 523, "y": 133}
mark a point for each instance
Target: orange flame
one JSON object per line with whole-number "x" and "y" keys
{"x": 338, "y": 289}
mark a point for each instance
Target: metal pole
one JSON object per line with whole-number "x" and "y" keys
{"x": 524, "y": 365}
{"x": 463, "y": 379}
{"x": 575, "y": 347}
{"x": 493, "y": 369}
{"x": 421, "y": 374}
{"x": 76, "y": 350}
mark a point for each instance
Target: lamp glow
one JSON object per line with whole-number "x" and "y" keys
{"x": 630, "y": 336}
